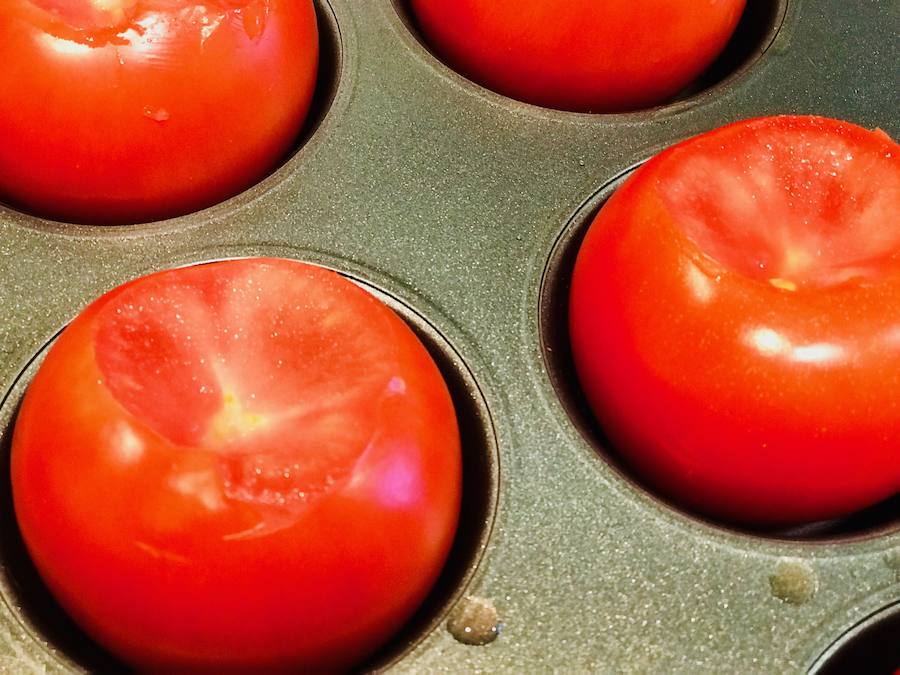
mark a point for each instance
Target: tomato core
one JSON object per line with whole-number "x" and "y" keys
{"x": 250, "y": 466}
{"x": 733, "y": 318}
{"x": 582, "y": 55}
{"x": 795, "y": 207}
{"x": 179, "y": 104}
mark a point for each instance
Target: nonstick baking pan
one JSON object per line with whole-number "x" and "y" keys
{"x": 463, "y": 210}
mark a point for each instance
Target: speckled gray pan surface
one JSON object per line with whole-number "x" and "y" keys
{"x": 456, "y": 205}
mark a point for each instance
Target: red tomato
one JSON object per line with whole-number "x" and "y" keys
{"x": 583, "y": 55}
{"x": 123, "y": 111}
{"x": 246, "y": 465}
{"x": 734, "y": 320}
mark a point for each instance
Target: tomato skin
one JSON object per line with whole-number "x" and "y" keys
{"x": 733, "y": 320}
{"x": 299, "y": 545}
{"x": 579, "y": 55}
{"x": 176, "y": 108}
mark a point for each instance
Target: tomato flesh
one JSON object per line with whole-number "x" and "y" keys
{"x": 580, "y": 55}
{"x": 254, "y": 465}
{"x": 129, "y": 111}
{"x": 733, "y": 315}
{"x": 797, "y": 207}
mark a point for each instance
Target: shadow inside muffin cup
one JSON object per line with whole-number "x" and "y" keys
{"x": 757, "y": 28}
{"x": 877, "y": 520}
{"x": 327, "y": 76}
{"x": 871, "y": 646}
{"x": 35, "y": 607}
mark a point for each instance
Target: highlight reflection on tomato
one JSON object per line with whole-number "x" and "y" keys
{"x": 734, "y": 320}
{"x": 124, "y": 111}
{"x": 250, "y": 465}
{"x": 583, "y": 55}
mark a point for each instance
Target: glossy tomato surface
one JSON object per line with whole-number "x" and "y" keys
{"x": 250, "y": 465}
{"x": 735, "y": 320}
{"x": 582, "y": 55}
{"x": 124, "y": 111}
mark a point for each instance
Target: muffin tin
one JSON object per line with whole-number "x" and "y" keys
{"x": 463, "y": 210}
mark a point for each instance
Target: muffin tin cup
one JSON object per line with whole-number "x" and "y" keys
{"x": 44, "y": 623}
{"x": 456, "y": 205}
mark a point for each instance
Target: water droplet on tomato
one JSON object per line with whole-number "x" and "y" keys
{"x": 157, "y": 114}
{"x": 255, "y": 16}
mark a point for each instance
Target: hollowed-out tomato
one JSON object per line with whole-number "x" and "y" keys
{"x": 735, "y": 320}
{"x": 248, "y": 465}
{"x": 124, "y": 111}
{"x": 584, "y": 55}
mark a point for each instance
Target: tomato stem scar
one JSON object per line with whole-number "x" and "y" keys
{"x": 233, "y": 420}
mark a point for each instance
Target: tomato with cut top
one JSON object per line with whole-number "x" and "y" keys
{"x": 125, "y": 111}
{"x": 249, "y": 465}
{"x": 583, "y": 55}
{"x": 735, "y": 320}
